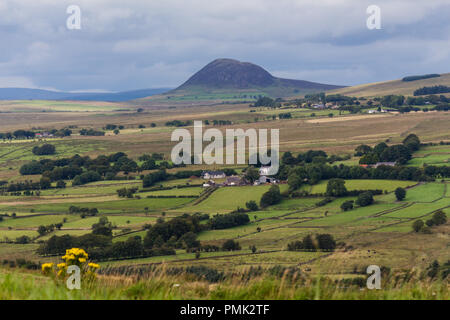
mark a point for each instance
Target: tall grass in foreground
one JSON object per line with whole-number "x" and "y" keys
{"x": 16, "y": 284}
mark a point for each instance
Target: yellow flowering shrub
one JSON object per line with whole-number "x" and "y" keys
{"x": 74, "y": 256}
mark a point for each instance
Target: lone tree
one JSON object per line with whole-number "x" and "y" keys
{"x": 347, "y": 205}
{"x": 418, "y": 225}
{"x": 439, "y": 217}
{"x": 365, "y": 199}
{"x": 273, "y": 196}
{"x": 400, "y": 193}
{"x": 252, "y": 205}
{"x": 231, "y": 245}
{"x": 336, "y": 188}
{"x": 251, "y": 174}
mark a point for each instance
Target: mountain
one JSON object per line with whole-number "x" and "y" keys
{"x": 398, "y": 87}
{"x": 232, "y": 76}
{"x": 38, "y": 94}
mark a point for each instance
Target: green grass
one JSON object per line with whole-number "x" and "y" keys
{"x": 13, "y": 234}
{"x": 193, "y": 191}
{"x": 119, "y": 221}
{"x": 116, "y": 206}
{"x": 349, "y": 216}
{"x": 389, "y": 185}
{"x": 35, "y": 221}
{"x": 419, "y": 209}
{"x": 34, "y": 286}
{"x": 425, "y": 193}
{"x": 57, "y": 106}
{"x": 89, "y": 189}
{"x": 229, "y": 198}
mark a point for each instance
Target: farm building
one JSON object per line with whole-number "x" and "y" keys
{"x": 264, "y": 171}
{"x": 213, "y": 175}
{"x": 265, "y": 179}
{"x": 389, "y": 164}
{"x": 234, "y": 181}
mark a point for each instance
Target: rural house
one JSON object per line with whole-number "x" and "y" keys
{"x": 213, "y": 175}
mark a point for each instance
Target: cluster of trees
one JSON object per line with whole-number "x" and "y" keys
{"x": 307, "y": 157}
{"x": 112, "y": 127}
{"x": 20, "y": 186}
{"x": 154, "y": 177}
{"x": 43, "y": 230}
{"x": 392, "y": 101}
{"x": 421, "y": 101}
{"x": 400, "y": 153}
{"x": 431, "y": 90}
{"x": 179, "y": 123}
{"x": 421, "y": 77}
{"x": 266, "y": 102}
{"x": 28, "y": 134}
{"x": 219, "y": 122}
{"x": 323, "y": 242}
{"x": 126, "y": 193}
{"x": 91, "y": 132}
{"x": 311, "y": 156}
{"x": 18, "y": 134}
{"x": 230, "y": 220}
{"x": 286, "y": 115}
{"x": 46, "y": 149}
{"x": 438, "y": 218}
{"x": 442, "y": 107}
{"x": 84, "y": 212}
{"x": 313, "y": 173}
{"x": 100, "y": 246}
{"x": 81, "y": 169}
{"x": 179, "y": 232}
{"x": 231, "y": 245}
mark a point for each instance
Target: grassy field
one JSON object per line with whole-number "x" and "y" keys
{"x": 385, "y": 185}
{"x": 393, "y": 87}
{"x": 21, "y": 285}
{"x": 384, "y": 227}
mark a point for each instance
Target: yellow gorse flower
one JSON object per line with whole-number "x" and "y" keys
{"x": 94, "y": 265}
{"x": 47, "y": 267}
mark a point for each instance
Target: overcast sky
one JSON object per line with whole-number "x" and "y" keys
{"x": 135, "y": 44}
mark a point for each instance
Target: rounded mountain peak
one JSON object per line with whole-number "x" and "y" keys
{"x": 229, "y": 73}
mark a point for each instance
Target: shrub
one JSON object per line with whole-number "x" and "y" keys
{"x": 271, "y": 197}
{"x": 347, "y": 205}
{"x": 231, "y": 245}
{"x": 46, "y": 149}
{"x": 400, "y": 193}
{"x": 365, "y": 199}
{"x": 252, "y": 205}
{"x": 418, "y": 225}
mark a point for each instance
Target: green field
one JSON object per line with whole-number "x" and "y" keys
{"x": 385, "y": 185}
{"x": 229, "y": 198}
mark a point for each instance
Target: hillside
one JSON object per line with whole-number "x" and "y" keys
{"x": 228, "y": 79}
{"x": 392, "y": 87}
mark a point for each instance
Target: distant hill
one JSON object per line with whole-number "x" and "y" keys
{"x": 37, "y": 94}
{"x": 225, "y": 77}
{"x": 400, "y": 86}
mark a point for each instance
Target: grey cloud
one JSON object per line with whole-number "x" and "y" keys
{"x": 139, "y": 44}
